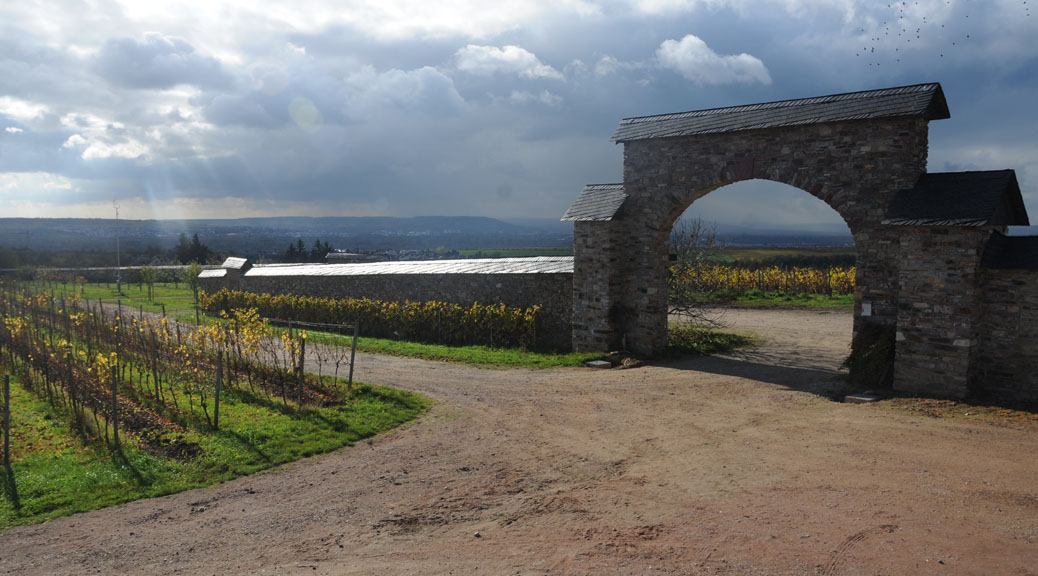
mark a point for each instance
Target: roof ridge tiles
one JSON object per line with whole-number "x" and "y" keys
{"x": 925, "y": 100}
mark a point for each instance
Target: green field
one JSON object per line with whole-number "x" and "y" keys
{"x": 790, "y": 256}
{"x": 514, "y": 252}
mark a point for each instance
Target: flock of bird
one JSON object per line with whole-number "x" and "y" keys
{"x": 893, "y": 39}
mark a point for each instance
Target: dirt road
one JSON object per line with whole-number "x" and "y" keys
{"x": 735, "y": 465}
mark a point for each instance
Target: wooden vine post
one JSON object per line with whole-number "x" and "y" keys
{"x": 353, "y": 355}
{"x": 115, "y": 409}
{"x": 7, "y": 420}
{"x": 219, "y": 379}
{"x": 302, "y": 357}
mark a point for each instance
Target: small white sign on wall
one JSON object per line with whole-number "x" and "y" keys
{"x": 866, "y": 308}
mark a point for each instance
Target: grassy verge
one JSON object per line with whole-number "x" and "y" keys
{"x": 758, "y": 299}
{"x": 54, "y": 473}
{"x": 685, "y": 339}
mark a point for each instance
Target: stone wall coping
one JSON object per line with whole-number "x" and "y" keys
{"x": 537, "y": 265}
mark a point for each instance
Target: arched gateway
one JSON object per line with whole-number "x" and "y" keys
{"x": 862, "y": 153}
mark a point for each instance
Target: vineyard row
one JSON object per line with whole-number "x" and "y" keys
{"x": 150, "y": 376}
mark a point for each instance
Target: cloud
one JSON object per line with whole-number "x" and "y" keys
{"x": 158, "y": 62}
{"x": 696, "y": 61}
{"x": 21, "y": 109}
{"x": 425, "y": 90}
{"x": 74, "y": 141}
{"x": 609, "y": 65}
{"x": 544, "y": 97}
{"x": 307, "y": 95}
{"x": 489, "y": 60}
{"x": 13, "y": 130}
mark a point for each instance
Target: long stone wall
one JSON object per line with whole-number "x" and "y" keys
{"x": 551, "y": 291}
{"x": 938, "y": 318}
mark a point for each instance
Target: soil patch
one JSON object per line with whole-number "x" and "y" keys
{"x": 738, "y": 464}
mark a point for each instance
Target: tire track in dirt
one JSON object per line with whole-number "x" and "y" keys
{"x": 850, "y": 542}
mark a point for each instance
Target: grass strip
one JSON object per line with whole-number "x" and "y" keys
{"x": 758, "y": 299}
{"x": 686, "y": 339}
{"x": 54, "y": 473}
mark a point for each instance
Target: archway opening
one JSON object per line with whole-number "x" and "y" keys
{"x": 764, "y": 258}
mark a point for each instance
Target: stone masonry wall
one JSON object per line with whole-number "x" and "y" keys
{"x": 855, "y": 167}
{"x": 596, "y": 251}
{"x": 1007, "y": 358}
{"x": 938, "y": 313}
{"x": 553, "y": 292}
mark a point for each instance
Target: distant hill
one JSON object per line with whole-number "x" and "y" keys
{"x": 268, "y": 237}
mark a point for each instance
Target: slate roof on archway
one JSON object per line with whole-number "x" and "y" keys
{"x": 919, "y": 100}
{"x": 597, "y": 203}
{"x": 981, "y": 198}
{"x": 1012, "y": 252}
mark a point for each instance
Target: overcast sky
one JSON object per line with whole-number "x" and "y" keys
{"x": 206, "y": 108}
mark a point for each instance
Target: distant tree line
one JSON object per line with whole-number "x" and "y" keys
{"x": 297, "y": 252}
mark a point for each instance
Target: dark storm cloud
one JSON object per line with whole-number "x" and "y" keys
{"x": 158, "y": 62}
{"x": 506, "y": 112}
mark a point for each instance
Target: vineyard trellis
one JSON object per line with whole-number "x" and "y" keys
{"x": 431, "y": 321}
{"x": 795, "y": 280}
{"x": 118, "y": 369}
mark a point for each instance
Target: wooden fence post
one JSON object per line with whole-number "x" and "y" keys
{"x": 7, "y": 420}
{"x": 353, "y": 354}
{"x": 302, "y": 358}
{"x": 219, "y": 380}
{"x": 115, "y": 409}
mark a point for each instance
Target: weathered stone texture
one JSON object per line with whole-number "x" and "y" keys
{"x": 854, "y": 166}
{"x": 597, "y": 250}
{"x": 553, "y": 292}
{"x": 1007, "y": 356}
{"x": 938, "y": 313}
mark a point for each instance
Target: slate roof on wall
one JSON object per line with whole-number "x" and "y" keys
{"x": 988, "y": 198}
{"x": 540, "y": 265}
{"x": 1018, "y": 252}
{"x": 920, "y": 100}
{"x": 596, "y": 203}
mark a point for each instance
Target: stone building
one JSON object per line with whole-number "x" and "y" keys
{"x": 921, "y": 239}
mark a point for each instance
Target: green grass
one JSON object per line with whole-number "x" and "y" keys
{"x": 478, "y": 355}
{"x": 53, "y": 473}
{"x": 758, "y": 299}
{"x": 514, "y": 252}
{"x": 686, "y": 339}
{"x": 177, "y": 298}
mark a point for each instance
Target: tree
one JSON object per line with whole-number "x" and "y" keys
{"x": 193, "y": 251}
{"x": 183, "y": 249}
{"x": 319, "y": 251}
{"x": 8, "y": 258}
{"x": 190, "y": 276}
{"x": 693, "y": 244}
{"x": 148, "y": 276}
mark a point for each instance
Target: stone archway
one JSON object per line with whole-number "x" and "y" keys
{"x": 853, "y": 151}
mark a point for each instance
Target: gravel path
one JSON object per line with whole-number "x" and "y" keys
{"x": 724, "y": 465}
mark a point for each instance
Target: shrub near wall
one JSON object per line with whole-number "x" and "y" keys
{"x": 433, "y": 321}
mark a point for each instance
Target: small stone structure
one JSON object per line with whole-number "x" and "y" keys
{"x": 920, "y": 238}
{"x": 546, "y": 282}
